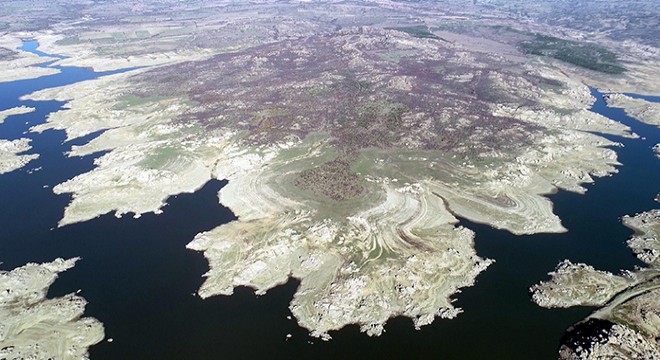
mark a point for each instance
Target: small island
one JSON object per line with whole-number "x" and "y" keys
{"x": 627, "y": 323}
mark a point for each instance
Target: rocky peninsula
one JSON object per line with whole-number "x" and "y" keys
{"x": 35, "y": 327}
{"x": 351, "y": 144}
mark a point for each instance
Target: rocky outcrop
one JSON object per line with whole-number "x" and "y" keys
{"x": 35, "y": 327}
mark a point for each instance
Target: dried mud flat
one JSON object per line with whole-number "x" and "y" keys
{"x": 35, "y": 327}
{"x": 627, "y": 325}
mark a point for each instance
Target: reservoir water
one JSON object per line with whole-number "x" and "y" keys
{"x": 140, "y": 280}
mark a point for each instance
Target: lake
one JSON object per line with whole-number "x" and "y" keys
{"x": 140, "y": 279}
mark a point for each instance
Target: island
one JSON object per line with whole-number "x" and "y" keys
{"x": 627, "y": 323}
{"x": 645, "y": 111}
{"x": 11, "y": 157}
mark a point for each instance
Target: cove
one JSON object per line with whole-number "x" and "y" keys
{"x": 140, "y": 280}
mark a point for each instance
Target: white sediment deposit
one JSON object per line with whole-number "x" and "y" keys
{"x": 631, "y": 301}
{"x": 398, "y": 255}
{"x": 10, "y": 159}
{"x": 23, "y": 65}
{"x": 85, "y": 54}
{"x": 98, "y": 63}
{"x": 642, "y": 110}
{"x": 645, "y": 243}
{"x": 587, "y": 286}
{"x": 25, "y": 68}
{"x": 580, "y": 284}
{"x": 15, "y": 111}
{"x": 146, "y": 165}
{"x": 393, "y": 249}
{"x": 34, "y": 327}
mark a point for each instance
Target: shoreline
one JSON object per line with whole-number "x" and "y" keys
{"x": 363, "y": 259}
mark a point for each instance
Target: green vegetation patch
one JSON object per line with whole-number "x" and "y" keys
{"x": 119, "y": 36}
{"x": 589, "y": 56}
{"x": 69, "y": 40}
{"x": 511, "y": 29}
{"x": 162, "y": 158}
{"x": 142, "y": 34}
{"x": 418, "y": 31}
{"x": 127, "y": 101}
{"x": 459, "y": 26}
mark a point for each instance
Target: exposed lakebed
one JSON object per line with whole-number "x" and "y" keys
{"x": 140, "y": 280}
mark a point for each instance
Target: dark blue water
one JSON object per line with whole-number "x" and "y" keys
{"x": 139, "y": 278}
{"x": 644, "y": 97}
{"x": 32, "y": 46}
